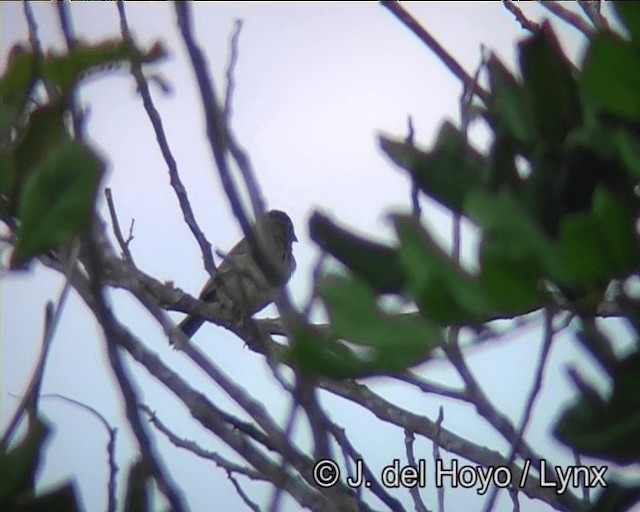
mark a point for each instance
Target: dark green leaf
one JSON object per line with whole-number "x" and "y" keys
{"x": 608, "y": 428}
{"x": 57, "y": 200}
{"x": 444, "y": 292}
{"x": 137, "y": 492}
{"x": 630, "y": 15}
{"x": 382, "y": 342}
{"x": 611, "y": 76}
{"x": 65, "y": 70}
{"x": 447, "y": 173}
{"x": 509, "y": 105}
{"x": 63, "y": 498}
{"x": 511, "y": 234}
{"x": 44, "y": 132}
{"x": 554, "y": 93}
{"x": 375, "y": 263}
{"x": 628, "y": 147}
{"x": 617, "y": 227}
{"x": 15, "y": 83}
{"x": 601, "y": 243}
{"x": 581, "y": 248}
{"x": 616, "y": 498}
{"x": 19, "y": 465}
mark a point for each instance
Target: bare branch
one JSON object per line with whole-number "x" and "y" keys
{"x": 124, "y": 244}
{"x": 111, "y": 445}
{"x": 233, "y": 60}
{"x": 525, "y": 22}
{"x": 391, "y": 413}
{"x": 454, "y": 66}
{"x": 112, "y": 333}
{"x": 174, "y": 177}
{"x": 533, "y": 394}
{"x": 409, "y": 439}
{"x": 436, "y": 456}
{"x": 592, "y": 9}
{"x": 568, "y": 16}
{"x": 196, "y": 449}
{"x": 52, "y": 319}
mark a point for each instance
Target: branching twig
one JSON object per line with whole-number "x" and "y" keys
{"x": 395, "y": 415}
{"x": 454, "y": 66}
{"x": 216, "y": 128}
{"x": 124, "y": 244}
{"x": 52, "y": 319}
{"x": 112, "y": 332}
{"x": 233, "y": 60}
{"x": 350, "y": 452}
{"x": 67, "y": 31}
{"x": 415, "y": 189}
{"x": 592, "y": 9}
{"x": 193, "y": 447}
{"x": 111, "y": 445}
{"x": 525, "y": 22}
{"x": 174, "y": 177}
{"x": 568, "y": 16}
{"x": 414, "y": 491}
{"x": 548, "y": 333}
{"x": 288, "y": 429}
{"x": 436, "y": 456}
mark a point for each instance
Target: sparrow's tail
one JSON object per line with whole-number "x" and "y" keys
{"x": 191, "y": 324}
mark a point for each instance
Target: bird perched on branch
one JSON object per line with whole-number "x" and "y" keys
{"x": 240, "y": 280}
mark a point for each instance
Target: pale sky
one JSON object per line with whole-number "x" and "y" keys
{"x": 316, "y": 83}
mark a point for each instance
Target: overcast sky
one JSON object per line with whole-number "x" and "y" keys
{"x": 315, "y": 84}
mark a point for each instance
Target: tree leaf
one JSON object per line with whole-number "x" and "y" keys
{"x": 611, "y": 76}
{"x": 381, "y": 342}
{"x": 447, "y": 173}
{"x": 375, "y": 263}
{"x": 57, "y": 200}
{"x": 607, "y": 428}
{"x": 445, "y": 293}
{"x": 548, "y": 77}
{"x": 630, "y": 16}
{"x": 509, "y": 106}
{"x": 18, "y": 466}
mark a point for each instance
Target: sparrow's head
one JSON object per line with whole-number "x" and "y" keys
{"x": 284, "y": 224}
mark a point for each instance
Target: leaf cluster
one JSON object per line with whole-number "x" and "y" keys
{"x": 555, "y": 200}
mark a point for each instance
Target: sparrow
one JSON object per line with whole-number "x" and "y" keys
{"x": 239, "y": 281}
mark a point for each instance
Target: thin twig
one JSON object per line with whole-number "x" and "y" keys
{"x": 196, "y": 449}
{"x": 124, "y": 244}
{"x": 66, "y": 25}
{"x": 525, "y": 22}
{"x": 111, "y": 445}
{"x": 112, "y": 333}
{"x": 316, "y": 274}
{"x": 454, "y": 66}
{"x": 216, "y": 128}
{"x": 592, "y": 9}
{"x": 243, "y": 495}
{"x": 51, "y": 325}
{"x": 389, "y": 412}
{"x": 436, "y": 456}
{"x": 415, "y": 189}
{"x": 585, "y": 487}
{"x": 548, "y": 334}
{"x": 568, "y": 16}
{"x": 276, "y": 497}
{"x": 233, "y": 60}
{"x": 172, "y": 167}
{"x": 414, "y": 491}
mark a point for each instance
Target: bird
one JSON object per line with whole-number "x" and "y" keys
{"x": 239, "y": 280}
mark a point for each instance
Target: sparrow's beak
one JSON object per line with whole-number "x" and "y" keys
{"x": 295, "y": 238}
